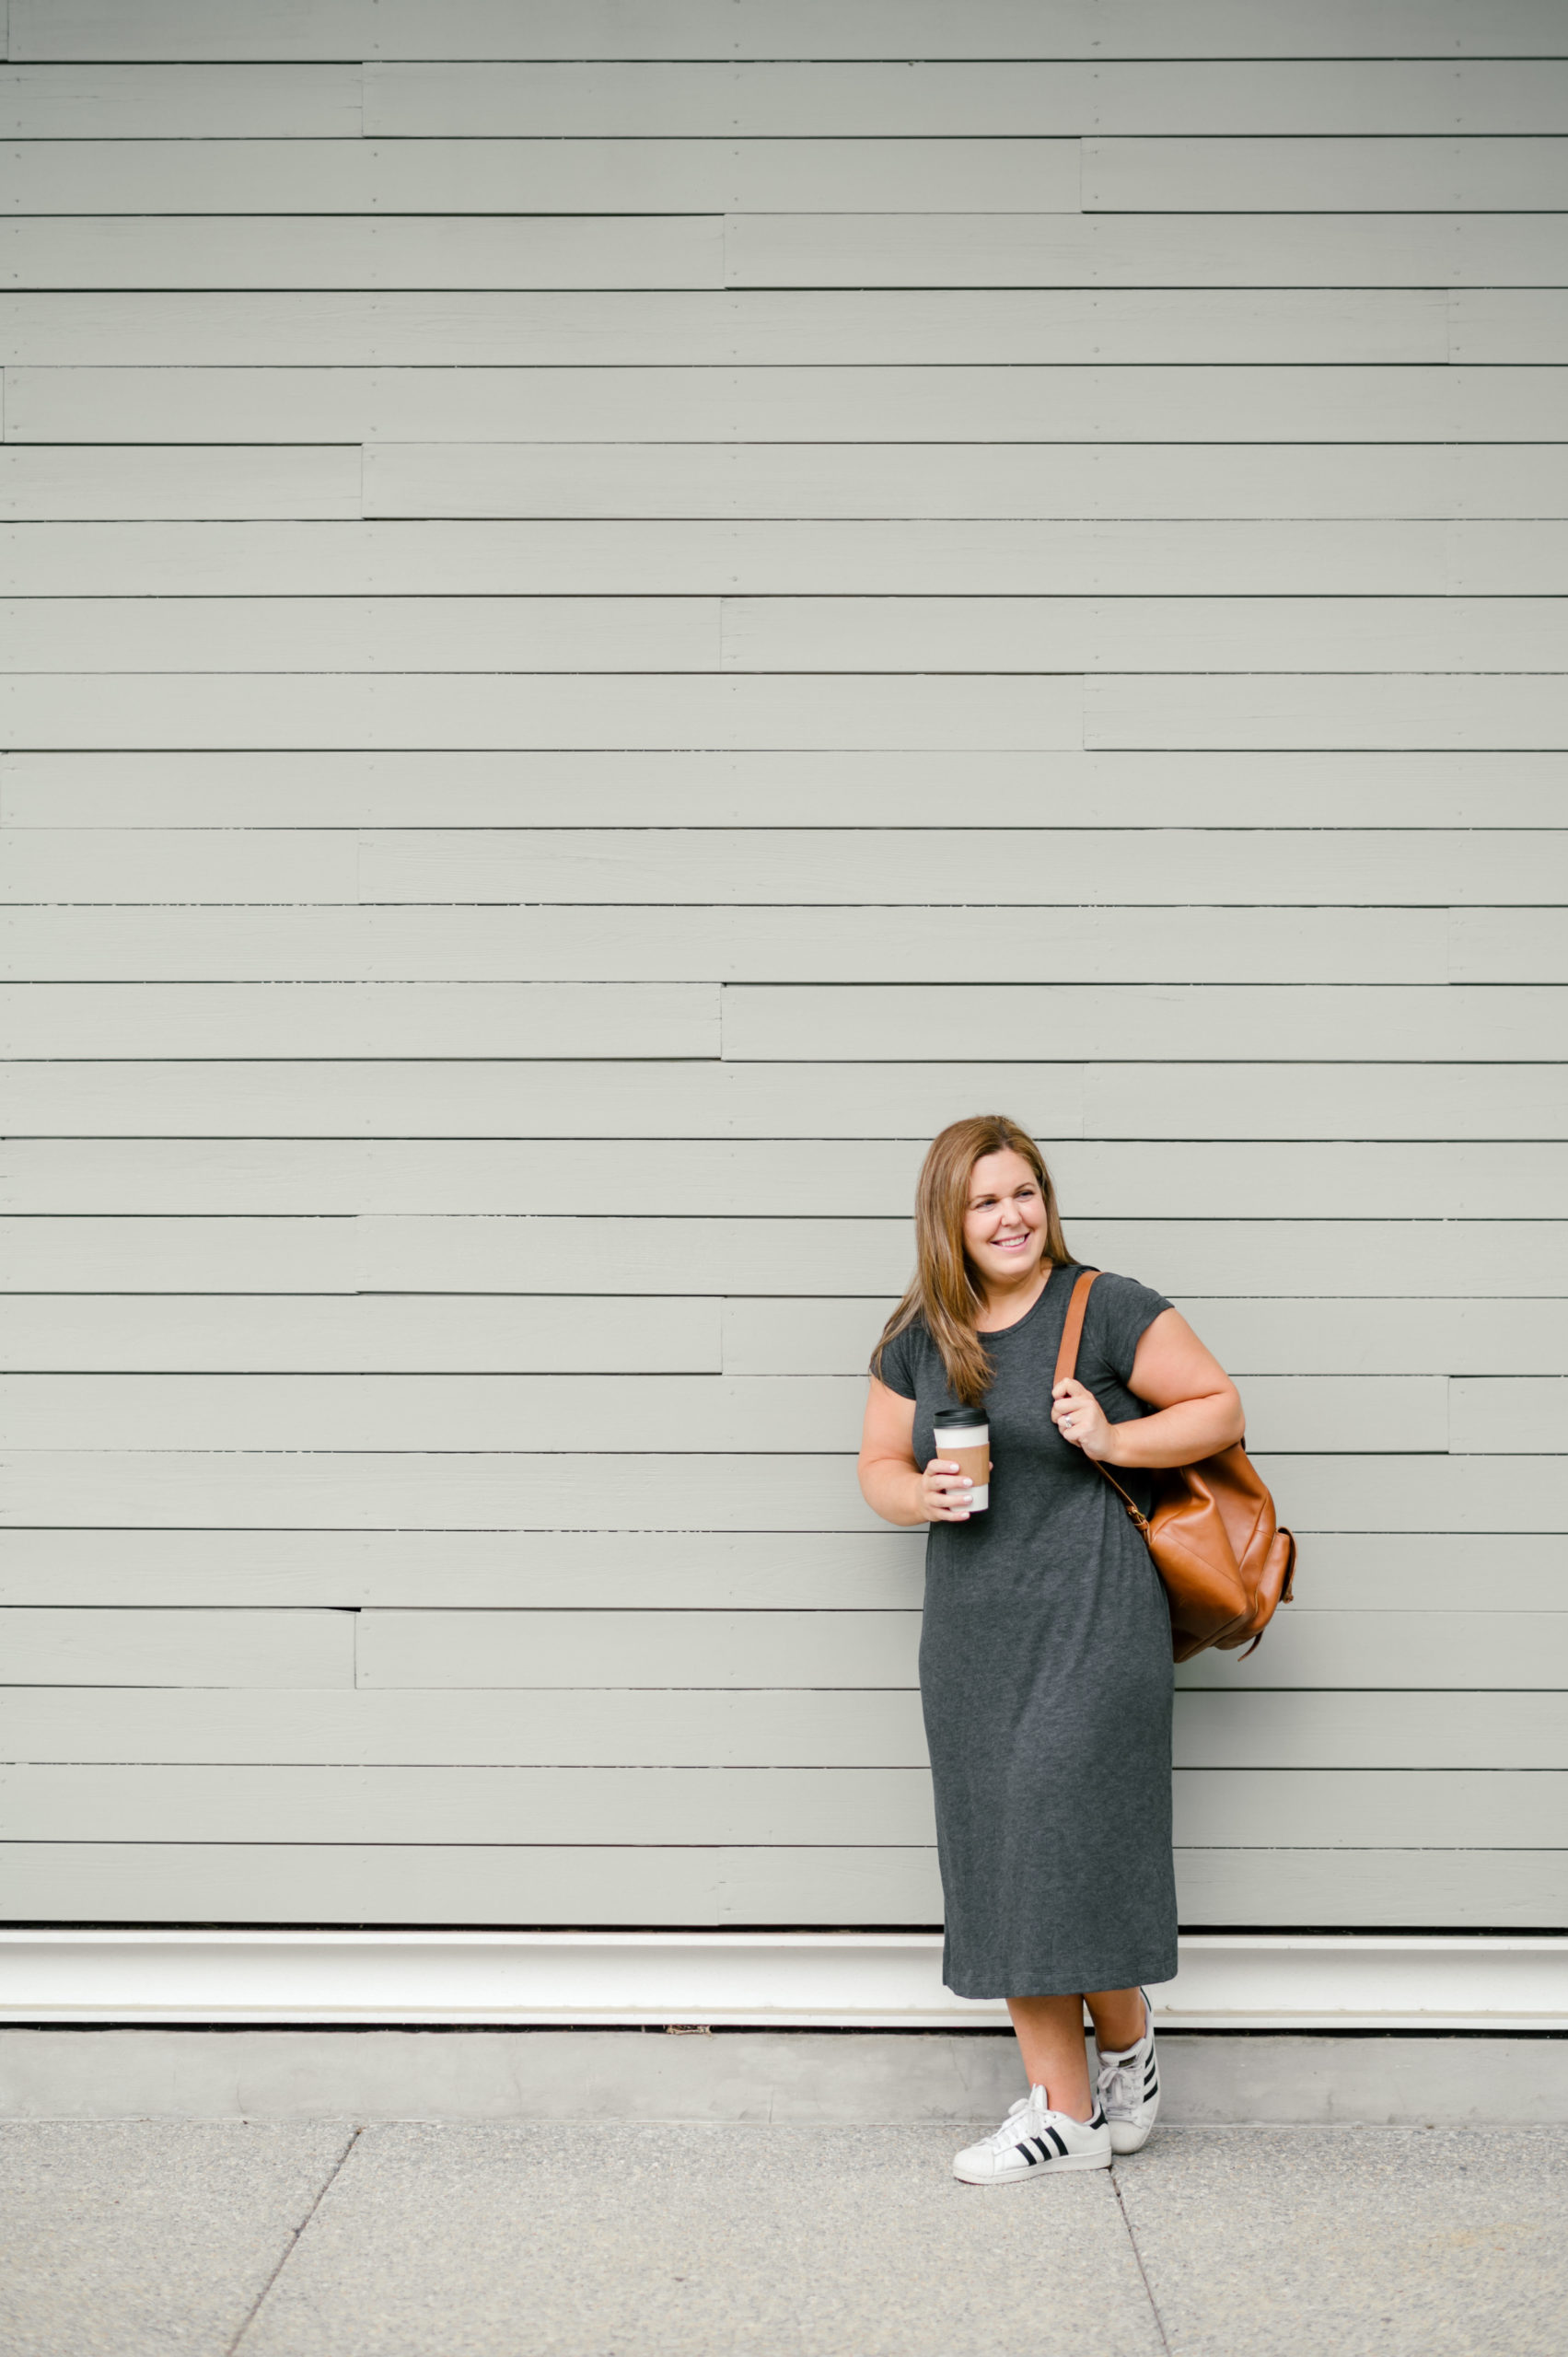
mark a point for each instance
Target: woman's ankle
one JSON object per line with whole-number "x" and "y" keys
{"x": 1074, "y": 2107}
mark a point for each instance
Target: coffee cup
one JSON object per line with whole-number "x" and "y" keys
{"x": 963, "y": 1435}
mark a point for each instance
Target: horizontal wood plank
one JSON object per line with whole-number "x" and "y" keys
{"x": 143, "y": 1648}
{"x": 1512, "y": 1415}
{"x": 866, "y": 1807}
{"x": 223, "y": 30}
{"x": 324, "y": 1883}
{"x": 801, "y": 866}
{"x": 474, "y": 1099}
{"x": 830, "y": 328}
{"x": 1328, "y": 1336}
{"x": 823, "y": 1179}
{"x": 561, "y": 1020}
{"x": 679, "y": 1650}
{"x": 553, "y": 176}
{"x": 437, "y": 250}
{"x": 1148, "y": 1102}
{"x": 264, "y": 100}
{"x": 1283, "y": 635}
{"x": 1307, "y": 1649}
{"x": 1413, "y": 409}
{"x": 477, "y": 1098}
{"x": 366, "y": 946}
{"x": 444, "y": 1252}
{"x": 1336, "y": 1651}
{"x": 657, "y": 557}
{"x": 989, "y": 467}
{"x": 442, "y": 1884}
{"x": 444, "y": 99}
{"x": 1483, "y": 944}
{"x": 812, "y": 633}
{"x": 796, "y": 867}
{"x": 862, "y": 1727}
{"x": 851, "y": 1729}
{"x": 355, "y": 711}
{"x": 478, "y": 1490}
{"x": 1386, "y": 1889}
{"x": 673, "y": 1416}
{"x": 925, "y": 247}
{"x": 1292, "y": 710}
{"x": 398, "y": 634}
{"x": 1508, "y": 325}
{"x": 1378, "y": 1888}
{"x": 72, "y": 484}
{"x": 1325, "y": 175}
{"x": 877, "y": 1570}
{"x": 1374, "y": 1024}
{"x": 557, "y": 1334}
{"x": 913, "y": 787}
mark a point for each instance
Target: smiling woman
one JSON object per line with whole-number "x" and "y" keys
{"x": 1045, "y": 1662}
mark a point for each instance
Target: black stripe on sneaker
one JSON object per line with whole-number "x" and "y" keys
{"x": 1149, "y": 2072}
{"x": 1151, "y": 2089}
{"x": 1059, "y": 2141}
{"x": 1028, "y": 2157}
{"x": 1098, "y": 2120}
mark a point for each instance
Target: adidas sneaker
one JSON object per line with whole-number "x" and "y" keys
{"x": 1031, "y": 2142}
{"x": 1129, "y": 2088}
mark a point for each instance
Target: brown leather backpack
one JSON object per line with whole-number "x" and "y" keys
{"x": 1212, "y": 1534}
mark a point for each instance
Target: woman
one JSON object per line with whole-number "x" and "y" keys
{"x": 1045, "y": 1664}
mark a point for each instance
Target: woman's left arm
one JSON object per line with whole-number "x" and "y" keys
{"x": 1199, "y": 1408}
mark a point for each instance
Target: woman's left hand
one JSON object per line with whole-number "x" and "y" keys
{"x": 1079, "y": 1418}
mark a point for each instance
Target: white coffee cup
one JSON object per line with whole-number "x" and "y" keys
{"x": 963, "y": 1434}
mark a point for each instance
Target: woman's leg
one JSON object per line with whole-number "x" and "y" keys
{"x": 1118, "y": 2017}
{"x": 1050, "y": 2034}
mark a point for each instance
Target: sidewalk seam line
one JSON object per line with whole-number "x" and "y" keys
{"x": 1142, "y": 2270}
{"x": 293, "y": 2244}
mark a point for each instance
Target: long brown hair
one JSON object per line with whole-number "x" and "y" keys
{"x": 943, "y": 1291}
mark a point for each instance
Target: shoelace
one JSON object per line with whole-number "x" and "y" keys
{"x": 1121, "y": 2082}
{"x": 1011, "y": 2127}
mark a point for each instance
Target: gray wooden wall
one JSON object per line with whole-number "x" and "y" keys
{"x": 605, "y": 627}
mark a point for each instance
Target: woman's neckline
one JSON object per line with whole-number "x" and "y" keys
{"x": 994, "y": 1333}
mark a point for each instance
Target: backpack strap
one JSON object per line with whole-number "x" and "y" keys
{"x": 1066, "y": 1364}
{"x": 1073, "y": 1326}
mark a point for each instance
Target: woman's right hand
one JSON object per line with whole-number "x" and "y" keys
{"x": 944, "y": 1491}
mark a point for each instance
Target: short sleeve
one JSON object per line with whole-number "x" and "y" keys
{"x": 1121, "y": 1310}
{"x": 897, "y": 1369}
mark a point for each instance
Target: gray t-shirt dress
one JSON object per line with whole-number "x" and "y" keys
{"x": 1045, "y": 1675}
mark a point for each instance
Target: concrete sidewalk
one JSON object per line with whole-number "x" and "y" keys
{"x": 297, "y": 2239}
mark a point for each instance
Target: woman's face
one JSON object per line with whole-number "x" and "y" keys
{"x": 1005, "y": 1221}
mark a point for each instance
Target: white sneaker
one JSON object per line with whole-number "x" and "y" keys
{"x": 1129, "y": 2088}
{"x": 1031, "y": 2142}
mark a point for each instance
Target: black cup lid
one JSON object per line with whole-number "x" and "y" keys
{"x": 961, "y": 1419}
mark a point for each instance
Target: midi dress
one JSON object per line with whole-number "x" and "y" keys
{"x": 1045, "y": 1674}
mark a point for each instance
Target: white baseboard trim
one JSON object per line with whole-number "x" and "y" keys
{"x": 745, "y": 1980}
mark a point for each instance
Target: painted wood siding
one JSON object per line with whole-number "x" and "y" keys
{"x": 610, "y": 614}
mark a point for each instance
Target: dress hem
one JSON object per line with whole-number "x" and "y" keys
{"x": 1115, "y": 1976}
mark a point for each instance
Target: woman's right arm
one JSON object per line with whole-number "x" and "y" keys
{"x": 891, "y": 1482}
